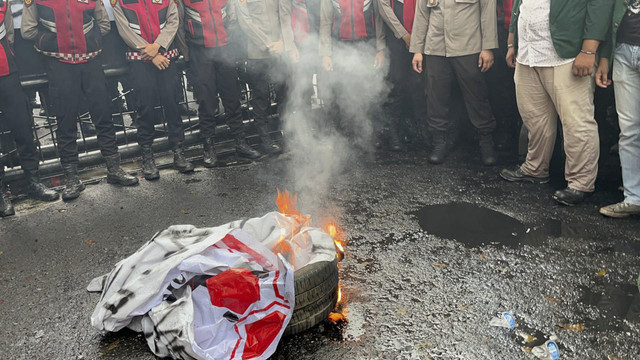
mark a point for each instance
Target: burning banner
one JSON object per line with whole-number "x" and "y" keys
{"x": 225, "y": 292}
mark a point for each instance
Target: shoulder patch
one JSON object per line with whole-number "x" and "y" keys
{"x": 113, "y": 2}
{"x": 28, "y": 3}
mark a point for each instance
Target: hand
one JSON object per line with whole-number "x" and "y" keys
{"x": 294, "y": 56}
{"x": 149, "y": 51}
{"x": 275, "y": 48}
{"x": 417, "y": 63}
{"x": 511, "y": 58}
{"x": 407, "y": 40}
{"x": 485, "y": 60}
{"x": 161, "y": 62}
{"x": 327, "y": 63}
{"x": 378, "y": 61}
{"x": 602, "y": 73}
{"x": 583, "y": 64}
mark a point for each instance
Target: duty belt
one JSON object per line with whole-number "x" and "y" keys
{"x": 134, "y": 55}
{"x": 73, "y": 58}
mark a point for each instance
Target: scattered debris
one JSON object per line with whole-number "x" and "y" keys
{"x": 505, "y": 320}
{"x": 601, "y": 273}
{"x": 572, "y": 327}
{"x": 552, "y": 299}
{"x": 547, "y": 351}
{"x": 90, "y": 242}
{"x": 185, "y": 212}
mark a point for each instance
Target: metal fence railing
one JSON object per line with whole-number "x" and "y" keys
{"x": 123, "y": 114}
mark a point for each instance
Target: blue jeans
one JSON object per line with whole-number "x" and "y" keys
{"x": 626, "y": 82}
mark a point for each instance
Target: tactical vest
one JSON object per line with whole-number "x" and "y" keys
{"x": 205, "y": 22}
{"x": 67, "y": 30}
{"x": 7, "y": 62}
{"x": 354, "y": 19}
{"x": 147, "y": 18}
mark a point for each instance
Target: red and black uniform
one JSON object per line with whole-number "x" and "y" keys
{"x": 406, "y": 98}
{"x": 143, "y": 22}
{"x": 13, "y": 102}
{"x": 207, "y": 26}
{"x": 69, "y": 33}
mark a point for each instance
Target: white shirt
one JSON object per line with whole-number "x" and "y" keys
{"x": 16, "y": 11}
{"x": 107, "y": 6}
{"x": 535, "y": 47}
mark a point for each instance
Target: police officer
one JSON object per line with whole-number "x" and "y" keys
{"x": 407, "y": 87}
{"x": 149, "y": 27}
{"x": 69, "y": 33}
{"x": 15, "y": 106}
{"x": 208, "y": 29}
{"x": 260, "y": 21}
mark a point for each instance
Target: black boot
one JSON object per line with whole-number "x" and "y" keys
{"x": 73, "y": 186}
{"x": 6, "y": 208}
{"x": 115, "y": 174}
{"x": 149, "y": 168}
{"x": 267, "y": 146}
{"x": 487, "y": 150}
{"x": 394, "y": 139}
{"x": 209, "y": 154}
{"x": 244, "y": 150}
{"x": 439, "y": 151}
{"x": 180, "y": 162}
{"x": 36, "y": 190}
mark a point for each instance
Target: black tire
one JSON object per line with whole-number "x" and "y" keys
{"x": 311, "y": 315}
{"x": 316, "y": 288}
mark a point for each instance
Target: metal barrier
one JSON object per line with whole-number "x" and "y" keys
{"x": 44, "y": 126}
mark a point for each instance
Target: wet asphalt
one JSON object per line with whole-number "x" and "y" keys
{"x": 413, "y": 288}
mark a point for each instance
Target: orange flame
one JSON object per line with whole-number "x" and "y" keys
{"x": 287, "y": 203}
{"x": 337, "y": 235}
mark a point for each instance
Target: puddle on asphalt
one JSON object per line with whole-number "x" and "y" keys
{"x": 475, "y": 225}
{"x": 616, "y": 302}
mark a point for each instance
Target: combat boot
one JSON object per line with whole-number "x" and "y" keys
{"x": 439, "y": 151}
{"x": 180, "y": 162}
{"x": 115, "y": 174}
{"x": 73, "y": 186}
{"x": 6, "y": 208}
{"x": 245, "y": 150}
{"x": 267, "y": 146}
{"x": 487, "y": 150}
{"x": 149, "y": 169}
{"x": 394, "y": 139}
{"x": 36, "y": 190}
{"x": 209, "y": 154}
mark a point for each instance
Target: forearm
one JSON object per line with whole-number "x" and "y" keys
{"x": 166, "y": 36}
{"x": 590, "y": 46}
{"x": 29, "y": 27}
{"x": 390, "y": 18}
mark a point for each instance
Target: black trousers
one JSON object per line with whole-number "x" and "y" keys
{"x": 261, "y": 73}
{"x": 17, "y": 115}
{"x": 441, "y": 74}
{"x": 407, "y": 96}
{"x": 214, "y": 71}
{"x": 149, "y": 82}
{"x": 69, "y": 85}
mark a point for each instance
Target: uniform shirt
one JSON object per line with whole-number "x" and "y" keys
{"x": 389, "y": 16}
{"x": 16, "y": 10}
{"x": 454, "y": 27}
{"x": 327, "y": 18}
{"x": 535, "y": 46}
{"x": 261, "y": 22}
{"x": 107, "y": 6}
{"x": 133, "y": 40}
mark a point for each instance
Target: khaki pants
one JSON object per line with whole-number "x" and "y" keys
{"x": 543, "y": 93}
